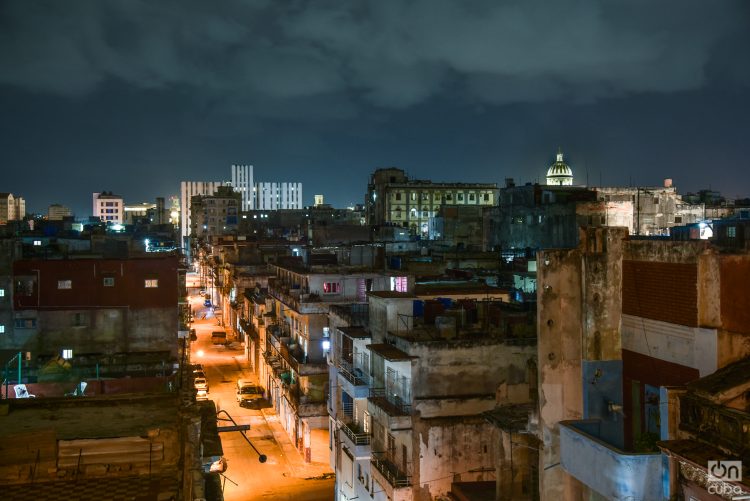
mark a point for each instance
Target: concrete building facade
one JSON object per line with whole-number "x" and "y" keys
{"x": 242, "y": 182}
{"x": 56, "y": 212}
{"x": 395, "y": 200}
{"x": 108, "y": 207}
{"x": 276, "y": 196}
{"x": 11, "y": 208}
{"x": 189, "y": 189}
{"x": 216, "y": 214}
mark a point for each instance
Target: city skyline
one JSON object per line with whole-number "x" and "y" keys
{"x": 134, "y": 98}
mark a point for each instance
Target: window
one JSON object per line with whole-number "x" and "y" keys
{"x": 67, "y": 353}
{"x": 331, "y": 287}
{"x": 678, "y": 219}
{"x": 471, "y": 197}
{"x": 398, "y": 196}
{"x": 486, "y": 197}
{"x": 399, "y": 284}
{"x": 2, "y": 292}
{"x": 80, "y": 319}
{"x": 2, "y": 329}
{"x": 25, "y": 323}
{"x": 109, "y": 281}
{"x": 731, "y": 231}
{"x": 460, "y": 197}
{"x": 413, "y": 196}
{"x": 448, "y": 196}
{"x": 37, "y": 243}
{"x": 25, "y": 287}
{"x": 64, "y": 284}
{"x": 424, "y": 213}
{"x": 151, "y": 283}
{"x": 425, "y": 196}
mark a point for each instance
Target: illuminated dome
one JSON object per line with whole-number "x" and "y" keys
{"x": 559, "y": 173}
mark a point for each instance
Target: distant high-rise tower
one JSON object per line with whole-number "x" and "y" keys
{"x": 242, "y": 182}
{"x": 559, "y": 173}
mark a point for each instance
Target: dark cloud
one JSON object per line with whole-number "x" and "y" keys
{"x": 134, "y": 95}
{"x": 389, "y": 54}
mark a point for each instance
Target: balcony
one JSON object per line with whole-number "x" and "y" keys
{"x": 389, "y": 409}
{"x": 355, "y": 438}
{"x": 352, "y": 379}
{"x": 612, "y": 472}
{"x": 391, "y": 473}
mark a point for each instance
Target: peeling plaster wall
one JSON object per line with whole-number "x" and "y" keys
{"x": 579, "y": 323}
{"x": 452, "y": 450}
{"x": 466, "y": 368}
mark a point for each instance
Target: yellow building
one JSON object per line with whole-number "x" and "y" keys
{"x": 395, "y": 200}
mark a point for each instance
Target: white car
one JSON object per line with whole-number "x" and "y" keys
{"x": 200, "y": 383}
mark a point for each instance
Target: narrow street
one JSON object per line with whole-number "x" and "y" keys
{"x": 284, "y": 475}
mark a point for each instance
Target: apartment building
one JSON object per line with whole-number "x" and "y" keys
{"x": 108, "y": 207}
{"x": 395, "y": 200}
{"x": 12, "y": 208}
{"x": 216, "y": 214}
{"x": 620, "y": 322}
{"x": 56, "y": 212}
{"x": 411, "y": 385}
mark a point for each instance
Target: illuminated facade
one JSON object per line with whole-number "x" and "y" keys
{"x": 395, "y": 200}
{"x": 108, "y": 207}
{"x": 560, "y": 173}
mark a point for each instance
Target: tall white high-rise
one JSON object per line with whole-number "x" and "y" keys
{"x": 274, "y": 196}
{"x": 189, "y": 189}
{"x": 242, "y": 182}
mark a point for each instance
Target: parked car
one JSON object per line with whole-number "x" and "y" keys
{"x": 201, "y": 383}
{"x": 247, "y": 392}
{"x": 219, "y": 337}
{"x": 201, "y": 395}
{"x": 197, "y": 374}
{"x": 196, "y": 367}
{"x": 207, "y": 302}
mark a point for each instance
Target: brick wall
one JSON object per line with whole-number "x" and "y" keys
{"x": 661, "y": 291}
{"x": 735, "y": 300}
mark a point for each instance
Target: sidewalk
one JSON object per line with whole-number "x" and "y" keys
{"x": 300, "y": 469}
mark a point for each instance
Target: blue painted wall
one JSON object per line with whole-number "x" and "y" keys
{"x": 602, "y": 384}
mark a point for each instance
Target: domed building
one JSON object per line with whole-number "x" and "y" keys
{"x": 560, "y": 173}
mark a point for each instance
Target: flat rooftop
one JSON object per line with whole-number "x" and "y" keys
{"x": 91, "y": 417}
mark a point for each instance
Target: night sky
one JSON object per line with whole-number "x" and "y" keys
{"x": 134, "y": 96}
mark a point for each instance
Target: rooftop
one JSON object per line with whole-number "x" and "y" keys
{"x": 389, "y": 352}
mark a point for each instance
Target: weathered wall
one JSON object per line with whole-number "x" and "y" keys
{"x": 451, "y": 450}
{"x": 466, "y": 368}
{"x": 103, "y": 330}
{"x": 560, "y": 320}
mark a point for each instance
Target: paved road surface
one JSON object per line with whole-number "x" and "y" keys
{"x": 283, "y": 476}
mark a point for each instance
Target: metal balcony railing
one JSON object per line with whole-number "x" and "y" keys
{"x": 391, "y": 403}
{"x": 354, "y": 375}
{"x": 355, "y": 432}
{"x": 392, "y": 473}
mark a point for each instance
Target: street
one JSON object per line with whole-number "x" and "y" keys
{"x": 284, "y": 475}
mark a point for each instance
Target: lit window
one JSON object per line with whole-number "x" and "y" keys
{"x": 731, "y": 231}
{"x": 399, "y": 284}
{"x": 151, "y": 283}
{"x": 2, "y": 292}
{"x": 109, "y": 281}
{"x": 64, "y": 284}
{"x": 2, "y": 329}
{"x": 37, "y": 243}
{"x": 67, "y": 353}
{"x": 331, "y": 287}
